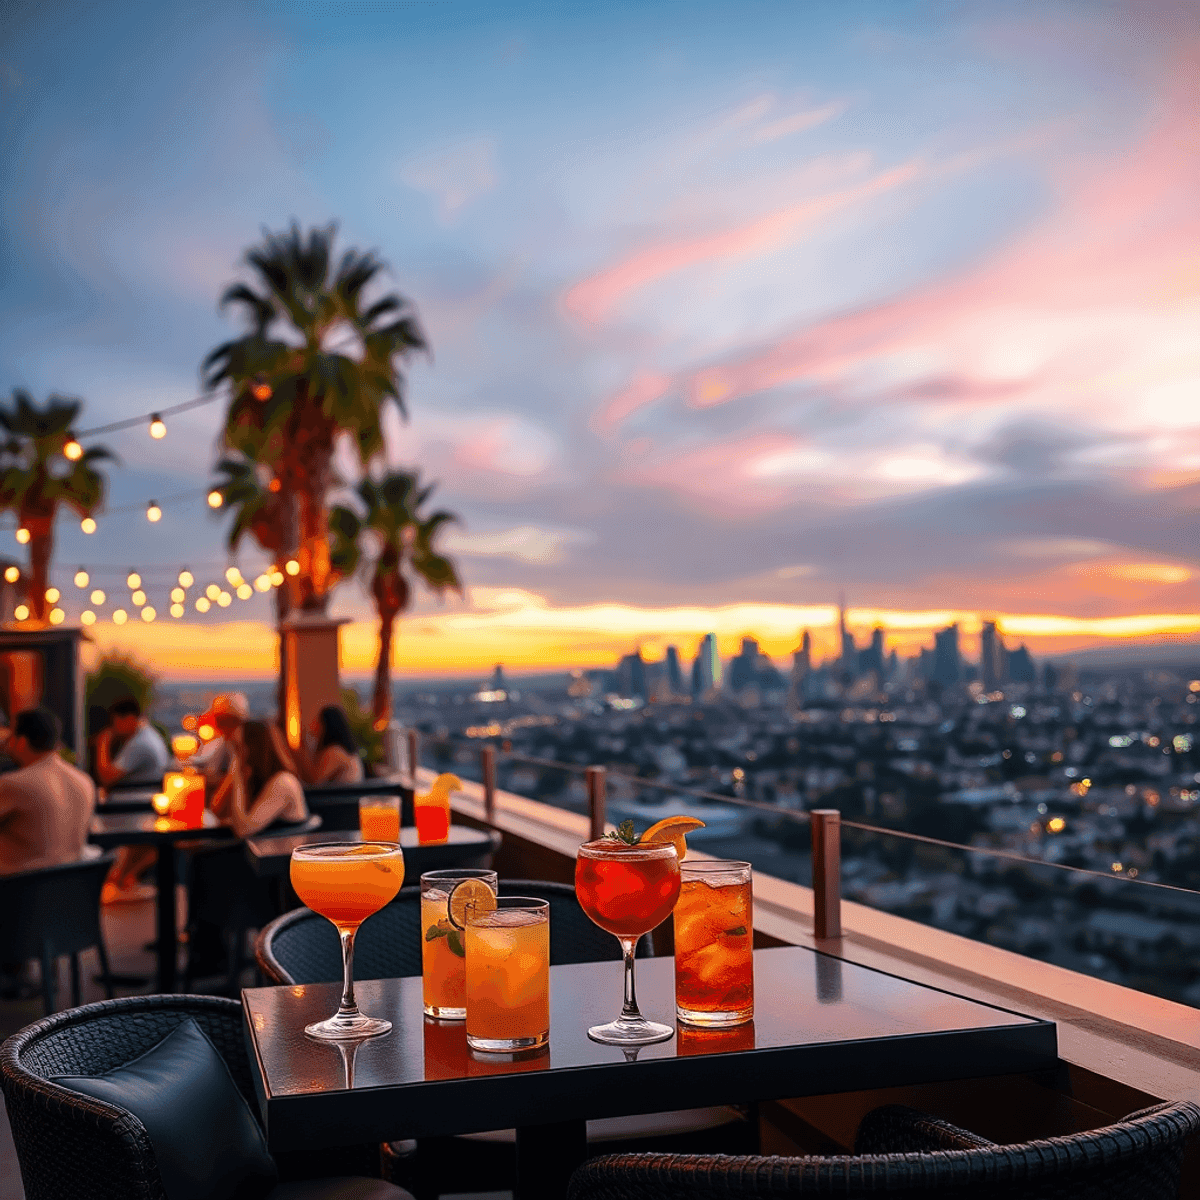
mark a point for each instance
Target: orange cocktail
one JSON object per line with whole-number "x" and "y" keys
{"x": 346, "y": 882}
{"x": 446, "y": 897}
{"x": 379, "y": 818}
{"x": 628, "y": 890}
{"x": 508, "y": 975}
{"x": 714, "y": 952}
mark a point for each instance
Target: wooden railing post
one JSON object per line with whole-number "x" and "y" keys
{"x": 595, "y": 791}
{"x": 413, "y": 747}
{"x": 487, "y": 761}
{"x": 827, "y": 872}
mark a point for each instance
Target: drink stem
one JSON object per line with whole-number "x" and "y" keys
{"x": 349, "y": 1006}
{"x": 629, "y": 1010}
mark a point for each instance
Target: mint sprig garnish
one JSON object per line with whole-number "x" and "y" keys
{"x": 625, "y": 834}
{"x": 453, "y": 937}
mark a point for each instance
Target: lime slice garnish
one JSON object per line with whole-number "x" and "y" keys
{"x": 469, "y": 894}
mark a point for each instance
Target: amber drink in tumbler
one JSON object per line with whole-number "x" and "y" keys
{"x": 447, "y": 897}
{"x": 714, "y": 936}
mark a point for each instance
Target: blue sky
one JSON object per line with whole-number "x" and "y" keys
{"x": 729, "y": 304}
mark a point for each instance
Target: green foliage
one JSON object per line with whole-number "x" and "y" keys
{"x": 118, "y": 675}
{"x": 624, "y": 833}
{"x": 362, "y": 725}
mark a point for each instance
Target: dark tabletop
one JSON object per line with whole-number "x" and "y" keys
{"x": 821, "y": 1025}
{"x": 128, "y": 829}
{"x": 271, "y": 856}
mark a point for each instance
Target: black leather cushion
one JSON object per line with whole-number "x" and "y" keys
{"x": 344, "y": 1187}
{"x": 206, "y": 1141}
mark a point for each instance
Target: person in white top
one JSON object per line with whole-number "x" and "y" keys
{"x": 144, "y": 755}
{"x": 261, "y": 788}
{"x": 46, "y": 804}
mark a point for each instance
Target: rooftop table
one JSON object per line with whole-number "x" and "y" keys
{"x": 821, "y": 1025}
{"x": 139, "y": 829}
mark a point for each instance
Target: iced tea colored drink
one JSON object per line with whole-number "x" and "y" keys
{"x": 714, "y": 935}
{"x": 508, "y": 975}
{"x": 446, "y": 899}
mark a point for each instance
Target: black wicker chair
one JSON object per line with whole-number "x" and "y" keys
{"x": 905, "y": 1154}
{"x": 71, "y": 1145}
{"x": 52, "y": 912}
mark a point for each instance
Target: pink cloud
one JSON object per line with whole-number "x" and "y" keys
{"x": 643, "y": 389}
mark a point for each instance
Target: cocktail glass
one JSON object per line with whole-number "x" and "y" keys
{"x": 443, "y": 939}
{"x": 714, "y": 951}
{"x": 379, "y": 818}
{"x": 628, "y": 890}
{"x": 431, "y": 814}
{"x": 508, "y": 975}
{"x": 346, "y": 882}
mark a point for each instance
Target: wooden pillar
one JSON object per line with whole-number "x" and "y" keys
{"x": 308, "y": 662}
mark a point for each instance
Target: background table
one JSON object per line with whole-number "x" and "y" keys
{"x": 271, "y": 856}
{"x": 136, "y": 829}
{"x": 821, "y": 1025}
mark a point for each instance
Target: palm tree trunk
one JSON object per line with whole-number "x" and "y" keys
{"x": 381, "y": 701}
{"x": 309, "y": 473}
{"x": 41, "y": 551}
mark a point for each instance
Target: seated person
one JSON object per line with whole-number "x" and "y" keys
{"x": 46, "y": 804}
{"x": 336, "y": 759}
{"x": 261, "y": 788}
{"x": 143, "y": 757}
{"x": 228, "y": 713}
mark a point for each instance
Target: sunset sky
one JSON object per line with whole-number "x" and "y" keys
{"x": 733, "y": 308}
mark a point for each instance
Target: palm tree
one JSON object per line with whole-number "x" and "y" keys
{"x": 318, "y": 361}
{"x": 402, "y": 548}
{"x": 36, "y": 477}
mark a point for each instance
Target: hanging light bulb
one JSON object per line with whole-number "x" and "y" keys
{"x": 57, "y": 616}
{"x": 215, "y": 499}
{"x": 178, "y": 595}
{"x": 22, "y": 535}
{"x": 177, "y": 610}
{"x": 234, "y": 576}
{"x": 186, "y": 578}
{"x": 87, "y": 617}
{"x": 72, "y": 449}
{"x": 148, "y": 614}
{"x": 53, "y": 595}
{"x": 153, "y": 512}
{"x": 263, "y": 583}
{"x": 138, "y": 597}
{"x": 157, "y": 428}
{"x": 277, "y": 578}
{"x": 120, "y": 616}
{"x": 292, "y": 567}
{"x": 12, "y": 574}
{"x": 98, "y": 597}
{"x": 81, "y": 578}
{"x": 245, "y": 591}
{"x": 203, "y": 604}
{"x": 224, "y": 599}
{"x": 21, "y": 612}
{"x": 87, "y": 525}
{"x": 212, "y": 591}
{"x": 261, "y": 390}
{"x": 134, "y": 580}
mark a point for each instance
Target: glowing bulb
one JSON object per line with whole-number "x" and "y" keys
{"x": 87, "y": 525}
{"x": 292, "y": 567}
{"x": 224, "y": 599}
{"x": 207, "y": 732}
{"x": 21, "y": 612}
{"x": 203, "y": 604}
{"x": 261, "y": 390}
{"x": 215, "y": 499}
{"x": 263, "y": 583}
{"x": 276, "y": 578}
{"x": 134, "y": 580}
{"x": 22, "y": 535}
{"x": 177, "y": 610}
{"x": 53, "y": 595}
{"x": 157, "y": 428}
{"x": 212, "y": 591}
{"x": 234, "y": 576}
{"x": 138, "y": 597}
{"x": 148, "y": 614}
{"x": 161, "y": 802}
{"x": 12, "y": 574}
{"x": 120, "y": 616}
{"x": 87, "y": 617}
{"x": 276, "y": 485}
{"x": 57, "y": 616}
{"x": 245, "y": 591}
{"x": 186, "y": 579}
{"x": 153, "y": 512}
{"x": 178, "y": 595}
{"x": 81, "y": 578}
{"x": 72, "y": 449}
{"x": 98, "y": 597}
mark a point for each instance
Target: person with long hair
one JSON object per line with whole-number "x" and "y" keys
{"x": 261, "y": 788}
{"x": 336, "y": 758}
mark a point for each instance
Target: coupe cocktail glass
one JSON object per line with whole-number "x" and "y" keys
{"x": 443, "y": 940}
{"x": 346, "y": 882}
{"x": 628, "y": 890}
{"x": 714, "y": 951}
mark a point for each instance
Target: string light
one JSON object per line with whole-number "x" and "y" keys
{"x": 87, "y": 525}
{"x": 72, "y": 449}
{"x": 98, "y": 597}
{"x": 153, "y": 512}
{"x": 276, "y": 485}
{"x": 148, "y": 614}
{"x": 261, "y": 390}
{"x": 53, "y": 595}
{"x": 292, "y": 567}
{"x": 57, "y": 616}
{"x": 263, "y": 583}
{"x": 12, "y": 574}
{"x": 203, "y": 604}
{"x": 158, "y": 428}
{"x": 134, "y": 580}
{"x": 81, "y": 578}
{"x": 22, "y": 535}
{"x": 186, "y": 579}
{"x": 178, "y": 595}
{"x": 215, "y": 499}
{"x": 234, "y": 576}
{"x": 177, "y": 610}
{"x": 138, "y": 598}
{"x": 277, "y": 578}
{"x": 21, "y": 612}
{"x": 245, "y": 591}
{"x": 224, "y": 599}
{"x": 120, "y": 616}
{"x": 212, "y": 591}
{"x": 87, "y": 617}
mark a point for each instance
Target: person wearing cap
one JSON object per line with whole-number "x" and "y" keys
{"x": 227, "y": 714}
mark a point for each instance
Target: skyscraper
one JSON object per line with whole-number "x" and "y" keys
{"x": 947, "y": 665}
{"x": 870, "y": 658}
{"x": 849, "y": 659}
{"x": 991, "y": 657}
{"x": 706, "y": 672}
{"x": 674, "y": 672}
{"x": 743, "y": 667}
{"x": 631, "y": 674}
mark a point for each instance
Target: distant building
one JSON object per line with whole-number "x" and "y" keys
{"x": 706, "y": 670}
{"x": 801, "y": 667}
{"x": 631, "y": 676}
{"x": 1021, "y": 667}
{"x": 743, "y": 667}
{"x": 870, "y": 658}
{"x": 674, "y": 672}
{"x": 992, "y": 655}
{"x": 498, "y": 682}
{"x": 947, "y": 663}
{"x": 849, "y": 652}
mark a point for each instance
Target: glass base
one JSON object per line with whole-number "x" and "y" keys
{"x": 441, "y": 1013}
{"x": 508, "y": 1045}
{"x": 341, "y": 1028}
{"x": 714, "y": 1020}
{"x": 630, "y": 1031}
